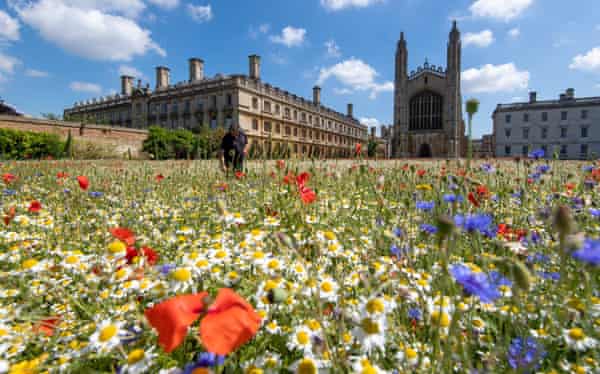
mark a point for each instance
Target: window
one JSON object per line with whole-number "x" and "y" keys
{"x": 584, "y": 114}
{"x": 295, "y": 148}
{"x": 544, "y": 132}
{"x": 213, "y": 122}
{"x": 200, "y": 105}
{"x": 304, "y": 133}
{"x": 164, "y": 107}
{"x": 563, "y": 149}
{"x": 526, "y": 117}
{"x": 303, "y": 117}
{"x": 526, "y": 133}
{"x": 507, "y": 133}
{"x": 229, "y": 99}
{"x": 295, "y": 131}
{"x": 278, "y": 128}
{"x": 228, "y": 121}
{"x": 563, "y": 132}
{"x": 277, "y": 109}
{"x": 288, "y": 131}
{"x": 295, "y": 115}
{"x": 254, "y": 103}
{"x": 254, "y": 124}
{"x": 138, "y": 108}
{"x": 213, "y": 100}
{"x": 584, "y": 132}
{"x": 583, "y": 149}
{"x": 267, "y": 107}
{"x": 267, "y": 126}
{"x": 507, "y": 118}
{"x": 507, "y": 150}
{"x": 286, "y": 113}
{"x": 186, "y": 107}
{"x": 525, "y": 150}
{"x": 563, "y": 116}
{"x": 544, "y": 116}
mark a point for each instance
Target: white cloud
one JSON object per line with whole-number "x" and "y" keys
{"x": 333, "y": 50}
{"x": 33, "y": 73}
{"x": 588, "y": 62}
{"x": 200, "y": 13}
{"x": 290, "y": 37}
{"x": 494, "y": 78}
{"x": 342, "y": 91}
{"x": 8, "y": 63}
{"x": 335, "y": 5}
{"x": 356, "y": 76}
{"x": 128, "y": 8}
{"x": 514, "y": 32}
{"x": 165, "y": 4}
{"x": 262, "y": 29}
{"x": 481, "y": 39}
{"x": 85, "y": 87}
{"x": 503, "y": 10}
{"x": 9, "y": 27}
{"x": 131, "y": 71}
{"x": 371, "y": 122}
{"x": 89, "y": 33}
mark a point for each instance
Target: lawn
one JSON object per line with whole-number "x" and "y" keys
{"x": 310, "y": 267}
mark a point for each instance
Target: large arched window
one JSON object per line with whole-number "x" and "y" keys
{"x": 426, "y": 111}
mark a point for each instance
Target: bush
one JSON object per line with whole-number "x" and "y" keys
{"x": 166, "y": 144}
{"x": 15, "y": 144}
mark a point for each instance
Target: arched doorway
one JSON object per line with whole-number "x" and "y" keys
{"x": 425, "y": 150}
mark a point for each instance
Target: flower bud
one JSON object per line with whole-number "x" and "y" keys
{"x": 563, "y": 220}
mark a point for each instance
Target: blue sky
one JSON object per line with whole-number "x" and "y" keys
{"x": 55, "y": 52}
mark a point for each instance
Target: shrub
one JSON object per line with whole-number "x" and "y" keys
{"x": 15, "y": 144}
{"x": 166, "y": 144}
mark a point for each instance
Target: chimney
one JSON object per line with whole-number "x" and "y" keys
{"x": 196, "y": 69}
{"x": 373, "y": 130}
{"x": 563, "y": 97}
{"x": 254, "y": 62}
{"x": 350, "y": 111}
{"x": 162, "y": 77}
{"x": 570, "y": 93}
{"x": 126, "y": 85}
{"x": 532, "y": 97}
{"x": 317, "y": 95}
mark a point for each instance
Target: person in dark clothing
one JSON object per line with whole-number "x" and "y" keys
{"x": 233, "y": 149}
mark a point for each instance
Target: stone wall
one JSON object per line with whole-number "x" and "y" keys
{"x": 117, "y": 140}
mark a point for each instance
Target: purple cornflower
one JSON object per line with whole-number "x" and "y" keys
{"x": 590, "y": 252}
{"x": 430, "y": 229}
{"x": 524, "y": 355}
{"x": 488, "y": 168}
{"x": 426, "y": 206}
{"x": 594, "y": 212}
{"x": 414, "y": 314}
{"x": 166, "y": 268}
{"x": 205, "y": 360}
{"x": 543, "y": 169}
{"x": 537, "y": 154}
{"x": 477, "y": 284}
{"x": 398, "y": 232}
{"x": 481, "y": 223}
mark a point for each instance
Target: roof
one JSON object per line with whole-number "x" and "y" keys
{"x": 8, "y": 109}
{"x": 548, "y": 104}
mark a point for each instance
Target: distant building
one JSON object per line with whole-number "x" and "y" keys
{"x": 8, "y": 110}
{"x": 567, "y": 127}
{"x": 273, "y": 119}
{"x": 428, "y": 106}
{"x": 484, "y": 147}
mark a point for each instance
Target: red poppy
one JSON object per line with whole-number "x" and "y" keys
{"x": 289, "y": 178}
{"x": 61, "y": 174}
{"x": 10, "y": 215}
{"x": 130, "y": 254}
{"x": 570, "y": 186}
{"x": 159, "y": 177}
{"x": 280, "y": 164}
{"x": 229, "y": 324}
{"x": 47, "y": 326}
{"x": 35, "y": 206}
{"x": 357, "y": 148}
{"x": 302, "y": 179}
{"x": 148, "y": 253}
{"x": 307, "y": 195}
{"x": 239, "y": 174}
{"x": 472, "y": 199}
{"x": 84, "y": 182}
{"x": 482, "y": 191}
{"x": 421, "y": 172}
{"x": 173, "y": 317}
{"x": 125, "y": 235}
{"x": 8, "y": 178}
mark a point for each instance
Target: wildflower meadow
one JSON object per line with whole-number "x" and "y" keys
{"x": 349, "y": 266}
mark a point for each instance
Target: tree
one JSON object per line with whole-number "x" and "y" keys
{"x": 51, "y": 116}
{"x": 68, "y": 148}
{"x": 372, "y": 148}
{"x": 472, "y": 108}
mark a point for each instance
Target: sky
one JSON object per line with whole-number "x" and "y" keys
{"x": 56, "y": 52}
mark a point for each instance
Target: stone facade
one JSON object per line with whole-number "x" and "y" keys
{"x": 271, "y": 117}
{"x": 566, "y": 127}
{"x": 428, "y": 105}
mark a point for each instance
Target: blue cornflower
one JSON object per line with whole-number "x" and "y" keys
{"x": 525, "y": 355}
{"x": 450, "y": 198}
{"x": 481, "y": 223}
{"x": 552, "y": 275}
{"x": 453, "y": 186}
{"x": 66, "y": 190}
{"x": 430, "y": 229}
{"x": 205, "y": 360}
{"x": 425, "y": 205}
{"x": 9, "y": 192}
{"x": 588, "y": 168}
{"x": 488, "y": 168}
{"x": 537, "y": 154}
{"x": 477, "y": 284}
{"x": 543, "y": 169}
{"x": 414, "y": 313}
{"x": 166, "y": 268}
{"x": 589, "y": 253}
{"x": 394, "y": 250}
{"x": 96, "y": 194}
{"x": 538, "y": 257}
{"x": 594, "y": 212}
{"x": 398, "y": 232}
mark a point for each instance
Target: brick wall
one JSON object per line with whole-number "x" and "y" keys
{"x": 115, "y": 139}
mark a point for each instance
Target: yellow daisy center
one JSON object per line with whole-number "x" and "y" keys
{"x": 326, "y": 286}
{"x": 375, "y": 306}
{"x": 369, "y": 326}
{"x": 576, "y": 333}
{"x": 307, "y": 366}
{"x": 107, "y": 333}
{"x": 410, "y": 353}
{"x": 28, "y": 264}
{"x": 443, "y": 320}
{"x": 302, "y": 337}
{"x": 181, "y": 275}
{"x": 71, "y": 260}
{"x": 116, "y": 247}
{"x": 135, "y": 356}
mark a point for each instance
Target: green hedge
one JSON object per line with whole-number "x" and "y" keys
{"x": 165, "y": 144}
{"x": 15, "y": 144}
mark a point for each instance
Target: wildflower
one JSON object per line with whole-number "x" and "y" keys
{"x": 525, "y": 355}
{"x": 577, "y": 340}
{"x": 370, "y": 333}
{"x": 589, "y": 252}
{"x": 107, "y": 336}
{"x": 429, "y": 229}
{"x": 159, "y": 177}
{"x": 138, "y": 361}
{"x": 123, "y": 234}
{"x": 8, "y": 178}
{"x": 35, "y": 206}
{"x": 475, "y": 283}
{"x": 426, "y": 206}
{"x": 83, "y": 181}
{"x": 537, "y": 154}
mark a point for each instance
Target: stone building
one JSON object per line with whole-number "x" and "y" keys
{"x": 273, "y": 118}
{"x": 428, "y": 105}
{"x": 6, "y": 109}
{"x": 566, "y": 127}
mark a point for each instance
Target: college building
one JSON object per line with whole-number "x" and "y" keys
{"x": 274, "y": 119}
{"x": 567, "y": 127}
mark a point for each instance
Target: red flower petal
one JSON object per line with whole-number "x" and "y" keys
{"x": 84, "y": 182}
{"x": 172, "y": 318}
{"x": 125, "y": 235}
